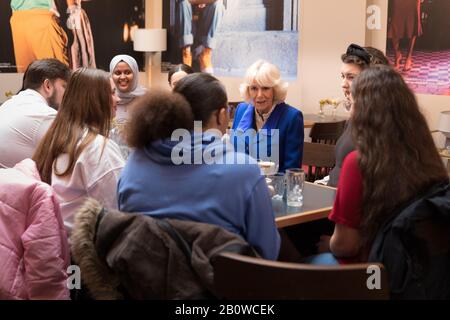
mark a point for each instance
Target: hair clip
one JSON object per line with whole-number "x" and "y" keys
{"x": 360, "y": 52}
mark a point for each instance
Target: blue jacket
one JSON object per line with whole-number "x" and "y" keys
{"x": 288, "y": 120}
{"x": 233, "y": 196}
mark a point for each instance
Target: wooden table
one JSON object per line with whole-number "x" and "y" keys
{"x": 310, "y": 119}
{"x": 317, "y": 204}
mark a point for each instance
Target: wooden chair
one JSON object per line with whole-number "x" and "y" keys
{"x": 241, "y": 277}
{"x": 319, "y": 158}
{"x": 233, "y": 107}
{"x": 327, "y": 132}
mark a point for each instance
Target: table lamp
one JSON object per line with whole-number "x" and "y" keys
{"x": 150, "y": 40}
{"x": 444, "y": 126}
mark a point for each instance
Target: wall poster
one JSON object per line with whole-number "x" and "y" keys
{"x": 419, "y": 43}
{"x": 79, "y": 32}
{"x": 226, "y": 36}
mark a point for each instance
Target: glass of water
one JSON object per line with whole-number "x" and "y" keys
{"x": 295, "y": 179}
{"x": 277, "y": 185}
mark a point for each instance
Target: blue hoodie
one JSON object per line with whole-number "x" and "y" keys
{"x": 233, "y": 196}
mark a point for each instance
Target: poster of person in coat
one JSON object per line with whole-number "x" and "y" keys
{"x": 418, "y": 43}
{"x": 80, "y": 33}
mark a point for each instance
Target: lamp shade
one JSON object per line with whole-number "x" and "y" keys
{"x": 150, "y": 40}
{"x": 444, "y": 123}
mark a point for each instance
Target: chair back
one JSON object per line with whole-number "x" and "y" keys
{"x": 241, "y": 277}
{"x": 233, "y": 107}
{"x": 319, "y": 158}
{"x": 327, "y": 132}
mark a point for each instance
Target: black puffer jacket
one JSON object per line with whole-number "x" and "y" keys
{"x": 415, "y": 247}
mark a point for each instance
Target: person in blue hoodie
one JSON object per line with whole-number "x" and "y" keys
{"x": 183, "y": 171}
{"x": 265, "y": 126}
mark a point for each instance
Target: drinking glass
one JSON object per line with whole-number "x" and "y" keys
{"x": 277, "y": 185}
{"x": 116, "y": 135}
{"x": 268, "y": 167}
{"x": 295, "y": 181}
{"x": 334, "y": 112}
{"x": 321, "y": 114}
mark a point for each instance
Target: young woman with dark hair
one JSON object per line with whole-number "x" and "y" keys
{"x": 197, "y": 178}
{"x": 354, "y": 61}
{"x": 396, "y": 160}
{"x": 75, "y": 156}
{"x": 177, "y": 73}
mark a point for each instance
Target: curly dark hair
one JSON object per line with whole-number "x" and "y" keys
{"x": 397, "y": 154}
{"x": 155, "y": 116}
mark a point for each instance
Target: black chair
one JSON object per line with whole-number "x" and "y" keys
{"x": 233, "y": 107}
{"x": 327, "y": 132}
{"x": 320, "y": 159}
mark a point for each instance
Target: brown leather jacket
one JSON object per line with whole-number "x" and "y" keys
{"x": 123, "y": 255}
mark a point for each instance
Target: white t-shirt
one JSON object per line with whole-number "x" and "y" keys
{"x": 95, "y": 175}
{"x": 24, "y": 120}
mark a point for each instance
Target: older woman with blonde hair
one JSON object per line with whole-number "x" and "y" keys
{"x": 265, "y": 122}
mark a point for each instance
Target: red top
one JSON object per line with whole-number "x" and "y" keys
{"x": 347, "y": 206}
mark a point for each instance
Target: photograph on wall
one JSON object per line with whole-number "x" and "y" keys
{"x": 225, "y": 37}
{"x": 80, "y": 33}
{"x": 418, "y": 43}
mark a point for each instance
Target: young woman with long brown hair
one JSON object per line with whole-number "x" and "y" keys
{"x": 75, "y": 156}
{"x": 395, "y": 161}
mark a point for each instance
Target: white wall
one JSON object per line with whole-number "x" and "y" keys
{"x": 327, "y": 27}
{"x": 9, "y": 82}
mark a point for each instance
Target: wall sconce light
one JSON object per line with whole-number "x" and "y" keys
{"x": 150, "y": 40}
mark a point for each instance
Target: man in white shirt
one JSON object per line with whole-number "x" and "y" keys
{"x": 26, "y": 117}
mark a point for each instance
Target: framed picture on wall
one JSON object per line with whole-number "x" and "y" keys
{"x": 419, "y": 44}
{"x": 225, "y": 37}
{"x": 87, "y": 35}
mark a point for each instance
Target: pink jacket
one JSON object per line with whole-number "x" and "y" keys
{"x": 34, "y": 253}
